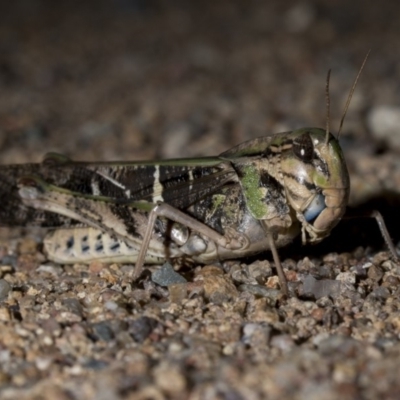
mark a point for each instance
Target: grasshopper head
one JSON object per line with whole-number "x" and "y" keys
{"x": 316, "y": 181}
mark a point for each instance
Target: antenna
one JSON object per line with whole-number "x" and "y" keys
{"x": 351, "y": 94}
{"x": 328, "y": 106}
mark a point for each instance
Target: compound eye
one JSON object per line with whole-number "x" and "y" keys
{"x": 315, "y": 208}
{"x": 303, "y": 147}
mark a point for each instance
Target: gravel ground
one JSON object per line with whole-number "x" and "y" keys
{"x": 155, "y": 79}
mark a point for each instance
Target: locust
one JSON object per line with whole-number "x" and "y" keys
{"x": 255, "y": 197}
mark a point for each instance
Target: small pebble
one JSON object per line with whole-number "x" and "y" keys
{"x": 5, "y": 288}
{"x": 167, "y": 276}
{"x": 375, "y": 273}
{"x": 103, "y": 331}
{"x": 320, "y": 288}
{"x": 142, "y": 327}
{"x": 263, "y": 291}
{"x": 384, "y": 122}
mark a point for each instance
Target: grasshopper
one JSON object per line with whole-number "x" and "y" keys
{"x": 257, "y": 196}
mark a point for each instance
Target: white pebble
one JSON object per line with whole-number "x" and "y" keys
{"x": 384, "y": 122}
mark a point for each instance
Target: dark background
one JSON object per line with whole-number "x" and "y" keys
{"x": 141, "y": 79}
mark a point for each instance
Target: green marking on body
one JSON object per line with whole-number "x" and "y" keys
{"x": 217, "y": 202}
{"x": 253, "y": 193}
{"x": 320, "y": 180}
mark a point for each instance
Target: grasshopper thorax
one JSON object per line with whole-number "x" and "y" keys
{"x": 316, "y": 181}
